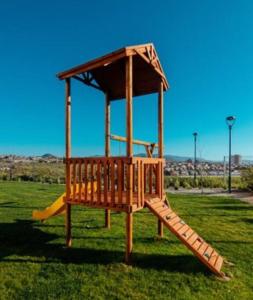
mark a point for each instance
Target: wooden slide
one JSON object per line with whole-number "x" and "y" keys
{"x": 204, "y": 252}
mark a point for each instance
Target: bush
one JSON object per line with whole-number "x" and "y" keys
{"x": 247, "y": 178}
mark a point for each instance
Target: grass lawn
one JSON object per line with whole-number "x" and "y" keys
{"x": 34, "y": 264}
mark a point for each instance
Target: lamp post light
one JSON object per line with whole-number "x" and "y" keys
{"x": 230, "y": 122}
{"x": 195, "y": 134}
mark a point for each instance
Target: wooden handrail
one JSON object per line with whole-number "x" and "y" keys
{"x": 136, "y": 142}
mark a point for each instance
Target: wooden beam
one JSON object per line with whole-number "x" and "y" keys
{"x": 136, "y": 142}
{"x": 129, "y": 150}
{"x": 129, "y": 105}
{"x": 160, "y": 143}
{"x": 160, "y": 121}
{"x": 107, "y": 151}
{"x": 129, "y": 237}
{"x": 89, "y": 83}
{"x": 68, "y": 155}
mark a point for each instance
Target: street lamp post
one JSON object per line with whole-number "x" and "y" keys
{"x": 230, "y": 122}
{"x": 195, "y": 134}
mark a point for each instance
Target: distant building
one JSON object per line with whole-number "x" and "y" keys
{"x": 236, "y": 159}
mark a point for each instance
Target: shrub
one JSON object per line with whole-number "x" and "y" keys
{"x": 247, "y": 178}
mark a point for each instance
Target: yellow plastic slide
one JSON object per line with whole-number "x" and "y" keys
{"x": 58, "y": 206}
{"x": 55, "y": 209}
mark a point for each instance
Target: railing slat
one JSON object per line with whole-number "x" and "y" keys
{"x": 92, "y": 181}
{"x": 150, "y": 178}
{"x": 139, "y": 183}
{"x": 119, "y": 180}
{"x": 105, "y": 182}
{"x": 74, "y": 181}
{"x": 80, "y": 180}
{"x": 99, "y": 182}
{"x": 112, "y": 165}
{"x": 85, "y": 180}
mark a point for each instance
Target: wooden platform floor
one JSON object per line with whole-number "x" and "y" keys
{"x": 114, "y": 203}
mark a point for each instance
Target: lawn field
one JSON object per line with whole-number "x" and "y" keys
{"x": 34, "y": 264}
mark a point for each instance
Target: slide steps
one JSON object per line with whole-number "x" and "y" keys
{"x": 200, "y": 248}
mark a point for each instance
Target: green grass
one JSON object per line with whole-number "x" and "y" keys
{"x": 34, "y": 264}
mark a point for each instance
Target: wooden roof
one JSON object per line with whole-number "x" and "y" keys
{"x": 107, "y": 73}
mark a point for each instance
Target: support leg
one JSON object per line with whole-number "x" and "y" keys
{"x": 160, "y": 228}
{"x": 68, "y": 225}
{"x": 129, "y": 237}
{"x": 108, "y": 218}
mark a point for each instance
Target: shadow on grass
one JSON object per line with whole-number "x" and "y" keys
{"x": 29, "y": 244}
{"x": 247, "y": 220}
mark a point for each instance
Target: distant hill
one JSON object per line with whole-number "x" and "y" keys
{"x": 48, "y": 155}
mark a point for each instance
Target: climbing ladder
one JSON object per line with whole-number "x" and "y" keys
{"x": 204, "y": 252}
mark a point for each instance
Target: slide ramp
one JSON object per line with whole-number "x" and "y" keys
{"x": 58, "y": 207}
{"x": 201, "y": 249}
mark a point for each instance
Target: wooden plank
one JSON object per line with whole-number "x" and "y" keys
{"x": 178, "y": 225}
{"x": 165, "y": 212}
{"x": 112, "y": 179}
{"x": 196, "y": 245}
{"x": 157, "y": 204}
{"x": 174, "y": 221}
{"x": 192, "y": 238}
{"x": 99, "y": 182}
{"x": 183, "y": 229}
{"x": 85, "y": 180}
{"x": 213, "y": 258}
{"x": 203, "y": 248}
{"x": 105, "y": 183}
{"x": 120, "y": 183}
{"x": 129, "y": 237}
{"x": 187, "y": 234}
{"x": 142, "y": 184}
{"x": 150, "y": 179}
{"x": 170, "y": 216}
{"x": 134, "y": 175}
{"x": 92, "y": 181}
{"x": 136, "y": 142}
{"x": 80, "y": 180}
{"x": 107, "y": 154}
{"x": 68, "y": 155}
{"x": 208, "y": 252}
{"x": 139, "y": 183}
{"x": 74, "y": 181}
{"x": 219, "y": 263}
{"x": 129, "y": 125}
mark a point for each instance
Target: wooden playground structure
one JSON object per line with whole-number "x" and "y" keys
{"x": 126, "y": 183}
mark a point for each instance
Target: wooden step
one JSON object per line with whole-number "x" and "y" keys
{"x": 203, "y": 251}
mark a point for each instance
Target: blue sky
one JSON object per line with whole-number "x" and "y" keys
{"x": 205, "y": 48}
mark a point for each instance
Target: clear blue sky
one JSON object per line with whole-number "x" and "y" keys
{"x": 205, "y": 48}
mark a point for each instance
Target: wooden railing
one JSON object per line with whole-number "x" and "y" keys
{"x": 114, "y": 181}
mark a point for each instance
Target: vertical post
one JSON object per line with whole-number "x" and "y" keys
{"x": 195, "y": 155}
{"x": 129, "y": 146}
{"x": 160, "y": 145}
{"x": 107, "y": 150}
{"x": 229, "y": 160}
{"x": 68, "y": 155}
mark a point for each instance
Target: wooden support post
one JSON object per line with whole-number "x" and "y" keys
{"x": 160, "y": 144}
{"x": 68, "y": 155}
{"x": 129, "y": 148}
{"x": 129, "y": 237}
{"x": 107, "y": 150}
